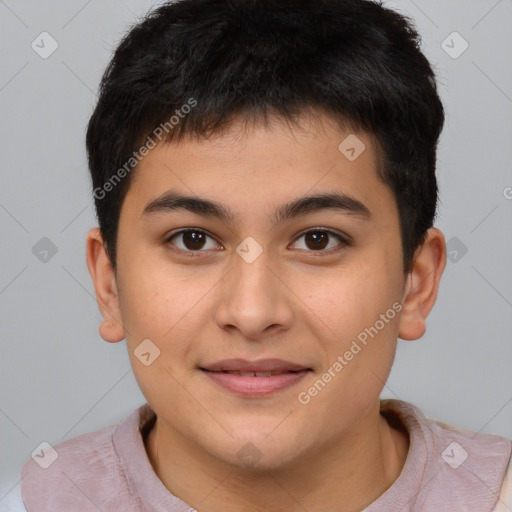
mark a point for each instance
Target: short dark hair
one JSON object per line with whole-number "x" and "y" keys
{"x": 353, "y": 59}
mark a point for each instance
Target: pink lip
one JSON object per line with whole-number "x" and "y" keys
{"x": 261, "y": 365}
{"x": 291, "y": 373}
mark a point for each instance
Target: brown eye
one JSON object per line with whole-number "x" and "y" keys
{"x": 319, "y": 239}
{"x": 192, "y": 240}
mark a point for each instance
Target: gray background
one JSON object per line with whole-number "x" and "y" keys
{"x": 60, "y": 379}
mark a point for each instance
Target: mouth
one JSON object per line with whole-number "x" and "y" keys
{"x": 255, "y": 373}
{"x": 256, "y": 378}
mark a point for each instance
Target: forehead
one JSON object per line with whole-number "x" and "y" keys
{"x": 249, "y": 166}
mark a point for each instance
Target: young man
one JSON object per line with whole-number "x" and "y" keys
{"x": 264, "y": 178}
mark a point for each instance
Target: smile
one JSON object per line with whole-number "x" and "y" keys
{"x": 255, "y": 384}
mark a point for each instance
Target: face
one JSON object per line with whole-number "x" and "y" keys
{"x": 317, "y": 286}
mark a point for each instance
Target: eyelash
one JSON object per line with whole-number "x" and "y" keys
{"x": 195, "y": 253}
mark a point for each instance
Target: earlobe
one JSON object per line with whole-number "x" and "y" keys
{"x": 105, "y": 286}
{"x": 111, "y": 332}
{"x": 422, "y": 285}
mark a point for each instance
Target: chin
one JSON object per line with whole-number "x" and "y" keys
{"x": 262, "y": 449}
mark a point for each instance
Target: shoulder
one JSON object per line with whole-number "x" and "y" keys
{"x": 77, "y": 472}
{"x": 462, "y": 466}
{"x": 444, "y": 441}
{"x": 68, "y": 466}
{"x": 505, "y": 500}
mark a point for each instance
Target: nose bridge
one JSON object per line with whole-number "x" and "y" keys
{"x": 251, "y": 298}
{"x": 251, "y": 275}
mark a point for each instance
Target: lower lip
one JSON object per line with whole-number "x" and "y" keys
{"x": 255, "y": 386}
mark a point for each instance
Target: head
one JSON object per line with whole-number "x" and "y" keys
{"x": 254, "y": 107}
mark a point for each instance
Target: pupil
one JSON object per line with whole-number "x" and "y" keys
{"x": 317, "y": 236}
{"x": 193, "y": 240}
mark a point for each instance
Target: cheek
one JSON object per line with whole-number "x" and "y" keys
{"x": 157, "y": 306}
{"x": 168, "y": 306}
{"x": 154, "y": 299}
{"x": 362, "y": 312}
{"x": 352, "y": 298}
{"x": 147, "y": 307}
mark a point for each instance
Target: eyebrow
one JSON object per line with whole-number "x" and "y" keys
{"x": 173, "y": 201}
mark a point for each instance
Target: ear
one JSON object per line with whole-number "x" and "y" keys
{"x": 422, "y": 285}
{"x": 105, "y": 285}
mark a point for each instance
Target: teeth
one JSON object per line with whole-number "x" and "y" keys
{"x": 263, "y": 374}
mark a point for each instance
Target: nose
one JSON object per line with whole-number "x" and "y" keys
{"x": 254, "y": 300}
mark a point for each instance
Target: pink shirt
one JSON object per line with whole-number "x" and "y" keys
{"x": 447, "y": 469}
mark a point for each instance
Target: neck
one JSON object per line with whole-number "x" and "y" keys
{"x": 346, "y": 475}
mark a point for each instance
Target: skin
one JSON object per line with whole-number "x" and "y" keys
{"x": 293, "y": 302}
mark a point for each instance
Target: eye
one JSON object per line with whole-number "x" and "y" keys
{"x": 192, "y": 240}
{"x": 317, "y": 239}
{"x": 195, "y": 241}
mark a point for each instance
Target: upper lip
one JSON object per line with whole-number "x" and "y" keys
{"x": 261, "y": 365}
